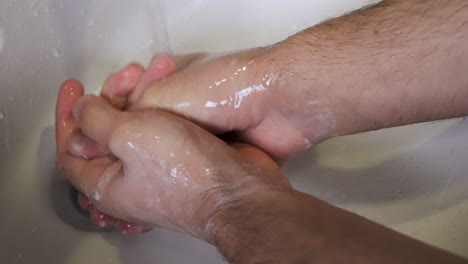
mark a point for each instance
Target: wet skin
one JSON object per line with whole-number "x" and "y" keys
{"x": 135, "y": 161}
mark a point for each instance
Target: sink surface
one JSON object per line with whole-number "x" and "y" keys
{"x": 412, "y": 179}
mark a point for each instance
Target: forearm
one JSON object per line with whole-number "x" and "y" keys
{"x": 396, "y": 63}
{"x": 292, "y": 227}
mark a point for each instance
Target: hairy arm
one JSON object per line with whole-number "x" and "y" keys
{"x": 293, "y": 227}
{"x": 396, "y": 63}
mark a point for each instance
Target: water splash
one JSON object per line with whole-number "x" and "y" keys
{"x": 34, "y": 7}
{"x": 156, "y": 15}
{"x": 56, "y": 52}
{"x": 1, "y": 39}
{"x": 91, "y": 22}
{"x": 34, "y": 4}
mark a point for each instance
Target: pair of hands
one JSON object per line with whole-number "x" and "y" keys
{"x": 146, "y": 152}
{"x": 136, "y": 158}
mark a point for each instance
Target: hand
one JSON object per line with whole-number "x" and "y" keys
{"x": 163, "y": 170}
{"x": 116, "y": 89}
{"x": 242, "y": 93}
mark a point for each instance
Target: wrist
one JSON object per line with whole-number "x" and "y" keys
{"x": 305, "y": 94}
{"x": 368, "y": 72}
{"x": 235, "y": 186}
{"x": 246, "y": 222}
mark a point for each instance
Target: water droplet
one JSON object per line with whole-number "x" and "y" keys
{"x": 91, "y": 22}
{"x": 1, "y": 39}
{"x": 2, "y": 116}
{"x": 57, "y": 52}
{"x": 34, "y": 4}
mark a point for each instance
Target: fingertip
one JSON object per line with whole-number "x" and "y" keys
{"x": 124, "y": 81}
{"x": 69, "y": 91}
{"x": 72, "y": 84}
{"x": 160, "y": 67}
{"x": 121, "y": 84}
{"x": 133, "y": 72}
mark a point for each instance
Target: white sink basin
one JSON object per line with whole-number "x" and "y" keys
{"x": 412, "y": 179}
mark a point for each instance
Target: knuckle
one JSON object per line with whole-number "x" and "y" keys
{"x": 125, "y": 125}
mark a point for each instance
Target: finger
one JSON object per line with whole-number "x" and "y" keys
{"x": 87, "y": 175}
{"x": 82, "y": 174}
{"x": 121, "y": 84}
{"x": 96, "y": 118}
{"x": 160, "y": 67}
{"x": 69, "y": 92}
{"x": 80, "y": 145}
{"x": 116, "y": 90}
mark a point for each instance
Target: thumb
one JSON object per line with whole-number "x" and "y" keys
{"x": 96, "y": 118}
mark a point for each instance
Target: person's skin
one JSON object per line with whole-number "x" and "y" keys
{"x": 397, "y": 63}
{"x": 163, "y": 170}
{"x": 116, "y": 89}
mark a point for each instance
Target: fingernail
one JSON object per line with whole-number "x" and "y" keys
{"x": 78, "y": 108}
{"x": 77, "y": 144}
